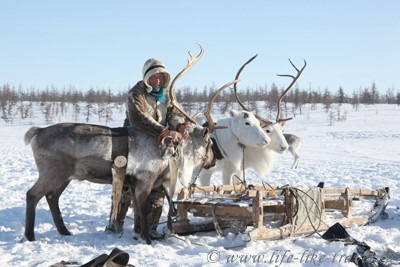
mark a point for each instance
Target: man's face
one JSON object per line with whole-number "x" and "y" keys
{"x": 156, "y": 80}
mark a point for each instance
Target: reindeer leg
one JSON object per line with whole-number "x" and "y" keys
{"x": 136, "y": 212}
{"x": 136, "y": 220}
{"x": 143, "y": 208}
{"x": 205, "y": 176}
{"x": 136, "y": 215}
{"x": 32, "y": 198}
{"x": 172, "y": 211}
{"x": 144, "y": 224}
{"x": 53, "y": 200}
{"x": 296, "y": 162}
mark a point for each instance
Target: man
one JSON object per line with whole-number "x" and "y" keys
{"x": 147, "y": 110}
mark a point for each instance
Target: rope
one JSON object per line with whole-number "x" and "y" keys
{"x": 265, "y": 183}
{"x": 215, "y": 221}
{"x": 299, "y": 198}
{"x": 243, "y": 166}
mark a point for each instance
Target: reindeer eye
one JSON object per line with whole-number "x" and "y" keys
{"x": 247, "y": 123}
{"x": 268, "y": 131}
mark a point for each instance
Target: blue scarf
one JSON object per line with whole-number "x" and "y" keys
{"x": 159, "y": 94}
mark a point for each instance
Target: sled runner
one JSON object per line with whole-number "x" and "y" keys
{"x": 275, "y": 212}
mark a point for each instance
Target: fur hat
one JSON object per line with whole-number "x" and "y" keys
{"x": 153, "y": 66}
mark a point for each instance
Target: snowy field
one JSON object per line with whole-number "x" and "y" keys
{"x": 361, "y": 152}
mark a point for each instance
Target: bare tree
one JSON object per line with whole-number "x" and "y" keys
{"x": 327, "y": 100}
{"x": 47, "y": 112}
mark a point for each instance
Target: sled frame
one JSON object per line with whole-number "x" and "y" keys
{"x": 273, "y": 212}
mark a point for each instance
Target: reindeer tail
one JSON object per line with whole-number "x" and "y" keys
{"x": 30, "y": 134}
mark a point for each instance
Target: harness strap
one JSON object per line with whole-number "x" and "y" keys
{"x": 243, "y": 166}
{"x": 216, "y": 150}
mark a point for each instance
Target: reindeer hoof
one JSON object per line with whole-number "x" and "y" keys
{"x": 30, "y": 239}
{"x": 146, "y": 238}
{"x": 154, "y": 235}
{"x": 65, "y": 232}
{"x": 114, "y": 228}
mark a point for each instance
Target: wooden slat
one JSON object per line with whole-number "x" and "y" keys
{"x": 258, "y": 209}
{"x": 361, "y": 192}
{"x": 205, "y": 226}
{"x": 337, "y": 204}
{"x": 222, "y": 211}
{"x": 347, "y": 199}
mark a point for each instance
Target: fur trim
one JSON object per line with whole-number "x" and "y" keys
{"x": 153, "y": 66}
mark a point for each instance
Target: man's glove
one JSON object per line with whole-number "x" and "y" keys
{"x": 173, "y": 135}
{"x": 184, "y": 129}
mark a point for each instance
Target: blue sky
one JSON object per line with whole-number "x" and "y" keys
{"x": 103, "y": 44}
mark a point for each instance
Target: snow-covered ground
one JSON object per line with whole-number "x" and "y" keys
{"x": 361, "y": 152}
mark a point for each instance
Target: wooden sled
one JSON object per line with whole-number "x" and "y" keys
{"x": 275, "y": 212}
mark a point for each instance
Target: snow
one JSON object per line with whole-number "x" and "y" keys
{"x": 363, "y": 151}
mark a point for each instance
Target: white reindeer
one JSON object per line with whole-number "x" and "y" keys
{"x": 235, "y": 154}
{"x": 260, "y": 160}
{"x": 243, "y": 128}
{"x": 294, "y": 143}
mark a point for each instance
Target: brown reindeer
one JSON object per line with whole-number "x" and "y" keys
{"x": 67, "y": 151}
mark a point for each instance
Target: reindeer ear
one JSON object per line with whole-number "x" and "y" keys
{"x": 246, "y": 115}
{"x": 283, "y": 123}
{"x": 232, "y": 112}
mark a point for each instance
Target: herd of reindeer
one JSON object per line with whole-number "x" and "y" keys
{"x": 67, "y": 151}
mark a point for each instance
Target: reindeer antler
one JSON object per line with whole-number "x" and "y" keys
{"x": 237, "y": 96}
{"x": 191, "y": 61}
{"x": 207, "y": 114}
{"x": 237, "y": 77}
{"x": 278, "y": 119}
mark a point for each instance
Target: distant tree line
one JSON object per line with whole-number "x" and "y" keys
{"x": 18, "y": 101}
{"x": 368, "y": 95}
